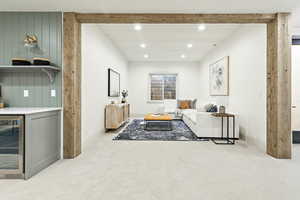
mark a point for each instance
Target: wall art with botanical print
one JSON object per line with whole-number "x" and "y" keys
{"x": 219, "y": 77}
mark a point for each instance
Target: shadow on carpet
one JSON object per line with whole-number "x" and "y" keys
{"x": 135, "y": 131}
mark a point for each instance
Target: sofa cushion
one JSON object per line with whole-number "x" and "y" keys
{"x": 193, "y": 117}
{"x": 187, "y": 111}
{"x": 190, "y": 114}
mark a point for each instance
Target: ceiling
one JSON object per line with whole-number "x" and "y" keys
{"x": 196, "y": 6}
{"x": 158, "y": 6}
{"x": 167, "y": 42}
{"x": 164, "y": 6}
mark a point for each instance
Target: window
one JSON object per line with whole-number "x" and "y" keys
{"x": 162, "y": 86}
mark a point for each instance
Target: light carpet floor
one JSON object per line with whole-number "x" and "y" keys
{"x": 160, "y": 170}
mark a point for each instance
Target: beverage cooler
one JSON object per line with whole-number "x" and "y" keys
{"x": 11, "y": 146}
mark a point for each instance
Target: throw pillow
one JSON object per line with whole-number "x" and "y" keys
{"x": 184, "y": 105}
{"x": 193, "y": 104}
{"x": 178, "y": 103}
{"x": 213, "y": 109}
{"x": 207, "y": 107}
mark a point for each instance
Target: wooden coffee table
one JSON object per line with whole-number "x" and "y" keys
{"x": 158, "y": 122}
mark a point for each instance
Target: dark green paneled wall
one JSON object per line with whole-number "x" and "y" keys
{"x": 48, "y": 29}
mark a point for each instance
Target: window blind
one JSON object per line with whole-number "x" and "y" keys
{"x": 162, "y": 86}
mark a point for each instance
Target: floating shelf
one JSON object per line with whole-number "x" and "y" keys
{"x": 47, "y": 69}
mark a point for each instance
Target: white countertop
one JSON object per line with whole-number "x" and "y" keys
{"x": 26, "y": 111}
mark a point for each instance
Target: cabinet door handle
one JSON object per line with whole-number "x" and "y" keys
{"x": 294, "y": 106}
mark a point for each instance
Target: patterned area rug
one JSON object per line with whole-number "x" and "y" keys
{"x": 135, "y": 131}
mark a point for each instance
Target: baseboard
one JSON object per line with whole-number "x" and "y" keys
{"x": 255, "y": 142}
{"x": 135, "y": 115}
{"x": 231, "y": 138}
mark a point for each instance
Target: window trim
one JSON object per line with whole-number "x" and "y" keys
{"x": 149, "y": 87}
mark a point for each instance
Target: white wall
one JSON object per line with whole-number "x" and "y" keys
{"x": 98, "y": 54}
{"x": 187, "y": 82}
{"x": 246, "y": 49}
{"x": 294, "y": 21}
{"x": 296, "y": 87}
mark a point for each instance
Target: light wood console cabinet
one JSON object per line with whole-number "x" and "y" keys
{"x": 116, "y": 115}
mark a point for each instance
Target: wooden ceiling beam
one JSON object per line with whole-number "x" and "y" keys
{"x": 151, "y": 18}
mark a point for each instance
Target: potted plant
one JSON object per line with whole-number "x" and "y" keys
{"x": 124, "y": 95}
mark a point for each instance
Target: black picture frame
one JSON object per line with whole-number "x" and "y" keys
{"x": 113, "y": 81}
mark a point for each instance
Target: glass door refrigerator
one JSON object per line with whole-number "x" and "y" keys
{"x": 11, "y": 146}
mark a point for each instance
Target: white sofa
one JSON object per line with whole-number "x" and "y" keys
{"x": 204, "y": 125}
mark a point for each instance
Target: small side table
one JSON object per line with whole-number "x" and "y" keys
{"x": 227, "y": 139}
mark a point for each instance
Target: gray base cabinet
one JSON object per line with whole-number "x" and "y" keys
{"x": 42, "y": 141}
{"x": 29, "y": 141}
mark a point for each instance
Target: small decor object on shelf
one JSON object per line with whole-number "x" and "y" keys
{"x": 1, "y": 99}
{"x": 124, "y": 95}
{"x": 222, "y": 109}
{"x": 1, "y": 103}
{"x": 30, "y": 41}
{"x": 20, "y": 61}
{"x": 41, "y": 61}
{"x": 112, "y": 102}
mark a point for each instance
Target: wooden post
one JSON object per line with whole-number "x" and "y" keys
{"x": 279, "y": 87}
{"x": 72, "y": 86}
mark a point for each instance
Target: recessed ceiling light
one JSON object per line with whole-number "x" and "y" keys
{"x": 201, "y": 27}
{"x": 183, "y": 56}
{"x": 146, "y": 56}
{"x": 189, "y": 45}
{"x": 137, "y": 27}
{"x": 143, "y": 45}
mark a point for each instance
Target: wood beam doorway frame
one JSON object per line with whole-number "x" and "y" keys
{"x": 278, "y": 131}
